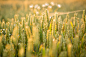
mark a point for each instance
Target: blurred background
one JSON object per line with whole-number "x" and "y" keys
{"x": 8, "y": 8}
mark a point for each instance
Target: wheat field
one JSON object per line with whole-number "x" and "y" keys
{"x": 42, "y": 30}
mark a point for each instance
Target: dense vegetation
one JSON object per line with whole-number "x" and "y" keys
{"x": 29, "y": 34}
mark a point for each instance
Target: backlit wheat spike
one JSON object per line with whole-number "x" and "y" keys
{"x": 60, "y": 44}
{"x": 65, "y": 29}
{"x": 15, "y": 35}
{"x": 3, "y": 24}
{"x": 7, "y": 36}
{"x": 43, "y": 21}
{"x": 58, "y": 47}
{"x": 69, "y": 50}
{"x": 12, "y": 51}
{"x": 43, "y": 52}
{"x": 50, "y": 39}
{"x": 47, "y": 17}
{"x": 83, "y": 16}
{"x": 23, "y": 21}
{"x": 54, "y": 48}
{"x": 35, "y": 35}
{"x": 16, "y": 17}
{"x": 44, "y": 37}
{"x": 59, "y": 25}
{"x": 56, "y": 17}
{"x": 48, "y": 31}
{"x": 53, "y": 28}
{"x": 28, "y": 32}
{"x": 21, "y": 50}
{"x": 75, "y": 23}
{"x": 29, "y": 48}
{"x": 67, "y": 17}
{"x": 27, "y": 16}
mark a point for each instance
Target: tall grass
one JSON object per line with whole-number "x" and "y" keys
{"x": 43, "y": 36}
